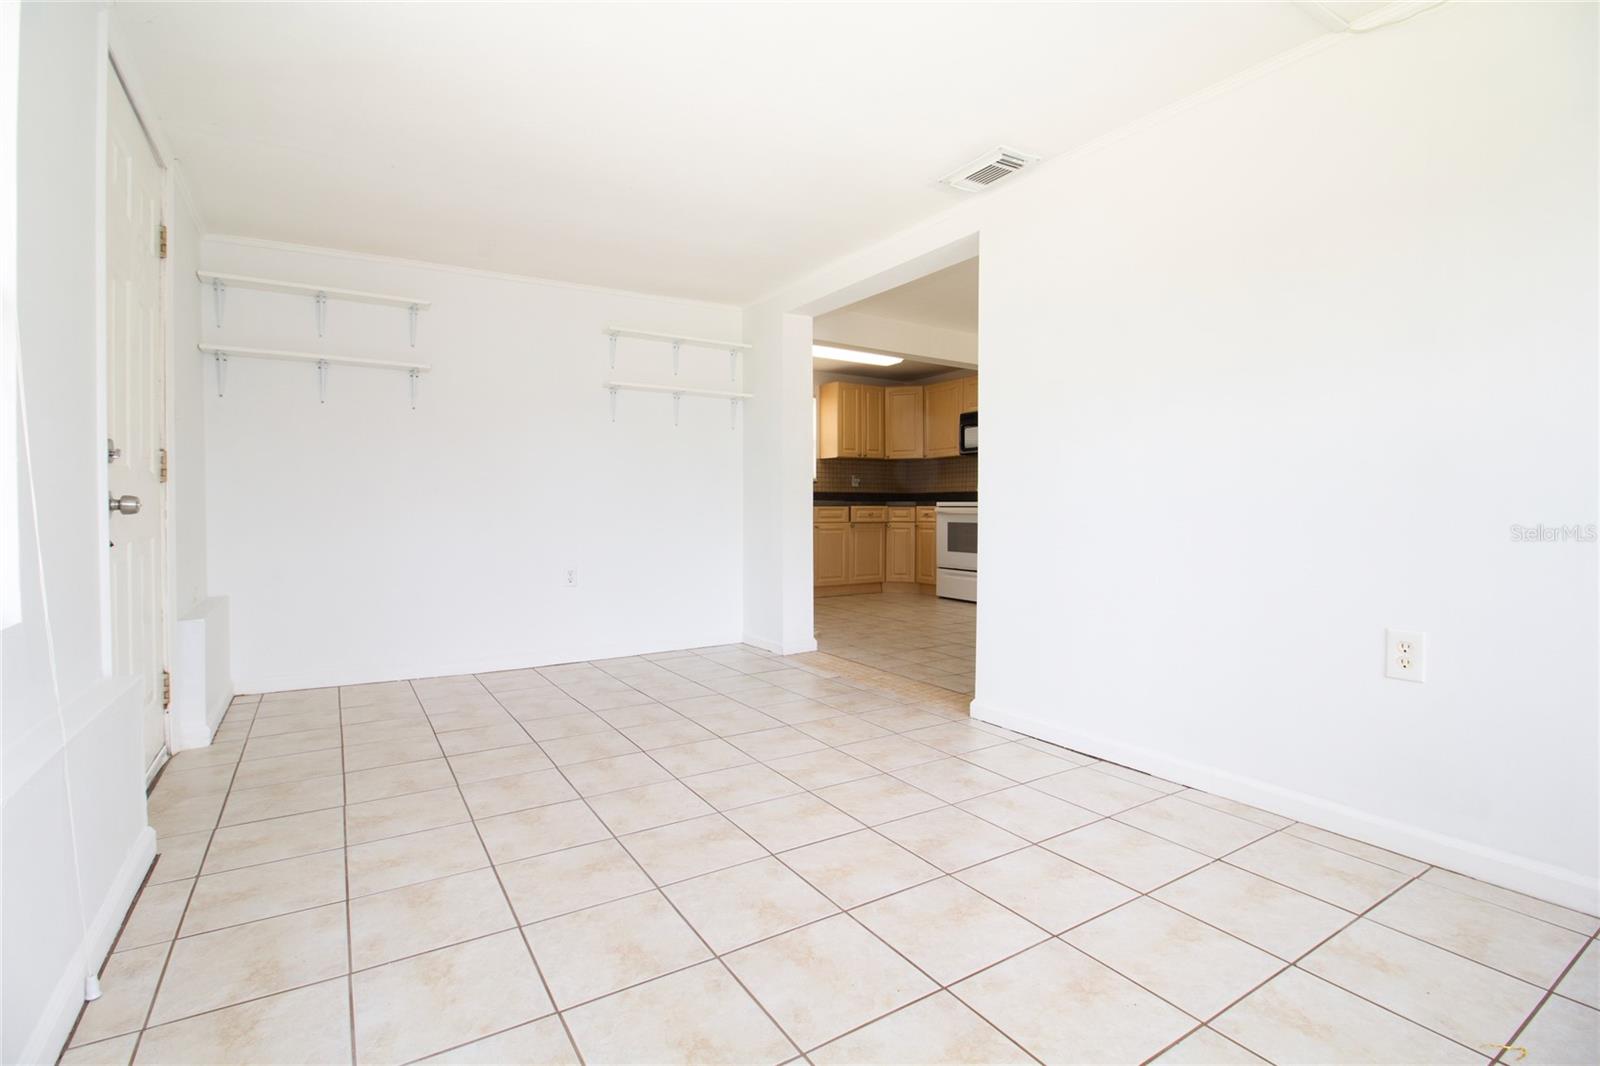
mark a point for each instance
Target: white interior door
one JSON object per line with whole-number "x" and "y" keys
{"x": 135, "y": 410}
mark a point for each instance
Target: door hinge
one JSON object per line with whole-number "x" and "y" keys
{"x": 166, "y": 689}
{"x": 163, "y": 242}
{"x": 163, "y": 453}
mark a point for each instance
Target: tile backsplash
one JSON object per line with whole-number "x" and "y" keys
{"x": 958, "y": 473}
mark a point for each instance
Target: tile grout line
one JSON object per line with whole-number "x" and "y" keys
{"x": 1499, "y": 1056}
{"x": 896, "y": 700}
{"x": 505, "y": 895}
{"x": 172, "y": 945}
{"x": 656, "y": 886}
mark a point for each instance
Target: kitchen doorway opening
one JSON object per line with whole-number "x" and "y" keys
{"x": 895, "y": 391}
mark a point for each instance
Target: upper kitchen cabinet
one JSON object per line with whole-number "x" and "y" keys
{"x": 850, "y": 421}
{"x": 902, "y": 422}
{"x": 941, "y": 419}
{"x": 943, "y": 404}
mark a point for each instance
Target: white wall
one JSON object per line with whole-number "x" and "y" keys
{"x": 935, "y": 343}
{"x": 69, "y": 733}
{"x": 1275, "y": 370}
{"x": 361, "y": 540}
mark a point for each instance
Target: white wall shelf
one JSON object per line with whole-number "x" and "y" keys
{"x": 320, "y": 294}
{"x": 322, "y": 362}
{"x": 733, "y": 348}
{"x": 677, "y": 392}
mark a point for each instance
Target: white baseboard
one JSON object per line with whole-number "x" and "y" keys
{"x": 1568, "y": 888}
{"x": 49, "y": 1034}
{"x": 777, "y": 647}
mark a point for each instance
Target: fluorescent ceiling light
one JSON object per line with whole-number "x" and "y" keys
{"x": 846, "y": 355}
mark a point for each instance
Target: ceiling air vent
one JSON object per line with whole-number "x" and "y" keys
{"x": 988, "y": 169}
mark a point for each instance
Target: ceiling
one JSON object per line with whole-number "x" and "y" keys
{"x": 946, "y": 298}
{"x": 711, "y": 151}
{"x": 909, "y": 370}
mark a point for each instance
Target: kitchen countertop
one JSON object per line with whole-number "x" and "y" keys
{"x": 905, "y": 499}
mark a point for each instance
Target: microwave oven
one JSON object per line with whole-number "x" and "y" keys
{"x": 969, "y": 433}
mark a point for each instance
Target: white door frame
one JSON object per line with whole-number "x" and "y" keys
{"x": 110, "y": 70}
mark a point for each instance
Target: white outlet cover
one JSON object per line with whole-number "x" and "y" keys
{"x": 1405, "y": 654}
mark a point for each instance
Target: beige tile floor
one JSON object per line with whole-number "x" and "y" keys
{"x": 902, "y": 631}
{"x": 721, "y": 856}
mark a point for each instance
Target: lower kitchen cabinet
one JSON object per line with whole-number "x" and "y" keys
{"x": 927, "y": 553}
{"x": 848, "y": 548}
{"x": 830, "y": 545}
{"x": 900, "y": 551}
{"x": 866, "y": 552}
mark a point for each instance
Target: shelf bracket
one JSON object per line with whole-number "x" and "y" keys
{"x": 613, "y": 357}
{"x": 613, "y": 392}
{"x": 677, "y": 400}
{"x": 733, "y": 366}
{"x": 322, "y": 312}
{"x": 219, "y": 296}
{"x": 414, "y": 375}
{"x": 675, "y": 358}
{"x": 222, "y": 373}
{"x": 322, "y": 381}
{"x": 412, "y": 312}
{"x": 733, "y": 414}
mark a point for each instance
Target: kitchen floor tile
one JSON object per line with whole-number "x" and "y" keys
{"x": 938, "y": 1029}
{"x": 951, "y": 838}
{"x": 948, "y": 930}
{"x": 1180, "y": 959}
{"x": 1296, "y": 1017}
{"x": 405, "y": 860}
{"x": 1045, "y": 888}
{"x": 1457, "y": 997}
{"x": 792, "y": 822}
{"x": 1131, "y": 856}
{"x": 697, "y": 1015}
{"x": 645, "y": 807}
{"x": 549, "y": 885}
{"x": 590, "y": 953}
{"x": 430, "y": 914}
{"x": 683, "y": 850}
{"x": 1330, "y": 875}
{"x": 857, "y": 867}
{"x": 824, "y": 979}
{"x": 742, "y": 904}
{"x": 234, "y": 897}
{"x": 1261, "y": 912}
{"x": 1524, "y": 947}
{"x": 428, "y": 1003}
{"x": 310, "y": 1024}
{"x": 1063, "y": 1006}
{"x": 248, "y": 961}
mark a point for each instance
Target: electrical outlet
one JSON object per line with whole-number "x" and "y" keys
{"x": 855, "y": 481}
{"x": 572, "y": 579}
{"x": 1405, "y": 655}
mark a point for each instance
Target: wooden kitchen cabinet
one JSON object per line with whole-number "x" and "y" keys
{"x": 927, "y": 548}
{"x": 847, "y": 546}
{"x": 969, "y": 394}
{"x": 871, "y": 421}
{"x": 830, "y": 544}
{"x": 849, "y": 421}
{"x": 902, "y": 422}
{"x": 866, "y": 553}
{"x": 941, "y": 419}
{"x": 900, "y": 552}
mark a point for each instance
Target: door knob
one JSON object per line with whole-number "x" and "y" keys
{"x": 124, "y": 505}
